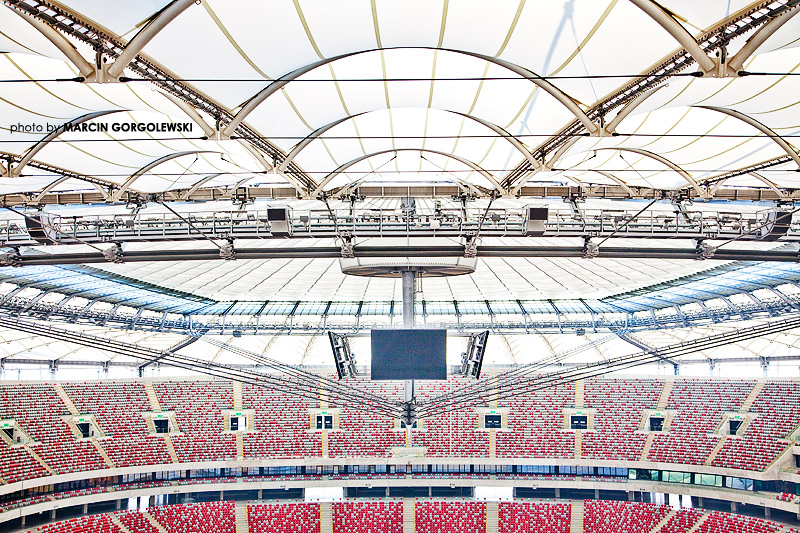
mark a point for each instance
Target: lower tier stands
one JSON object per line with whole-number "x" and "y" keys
{"x": 283, "y": 518}
{"x": 534, "y": 517}
{"x": 430, "y": 516}
{"x": 196, "y": 518}
{"x": 534, "y": 424}
{"x": 621, "y": 517}
{"x": 367, "y": 517}
{"x": 450, "y": 517}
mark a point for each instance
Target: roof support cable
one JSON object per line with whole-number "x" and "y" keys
{"x": 706, "y": 251}
{"x": 625, "y": 225}
{"x": 112, "y": 254}
{"x": 471, "y": 241}
{"x": 226, "y": 252}
{"x": 278, "y": 382}
{"x": 320, "y": 382}
{"x": 514, "y": 387}
{"x": 346, "y": 238}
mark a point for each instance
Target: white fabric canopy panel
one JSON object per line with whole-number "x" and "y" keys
{"x": 412, "y": 78}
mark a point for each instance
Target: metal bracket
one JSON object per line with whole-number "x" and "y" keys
{"x": 348, "y": 245}
{"x": 409, "y": 415}
{"x": 590, "y": 249}
{"x": 113, "y": 253}
{"x": 227, "y": 251}
{"x": 470, "y": 245}
{"x": 704, "y": 250}
{"x": 9, "y": 257}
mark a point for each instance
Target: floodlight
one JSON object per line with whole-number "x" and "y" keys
{"x": 342, "y": 356}
{"x": 472, "y": 359}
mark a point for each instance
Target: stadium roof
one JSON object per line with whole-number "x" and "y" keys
{"x": 168, "y": 127}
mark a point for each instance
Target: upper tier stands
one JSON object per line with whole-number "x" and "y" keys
{"x": 430, "y": 517}
{"x": 367, "y": 434}
{"x": 536, "y": 423}
{"x": 282, "y": 425}
{"x": 699, "y": 404}
{"x": 39, "y": 411}
{"x": 619, "y": 405}
{"x": 118, "y": 408}
{"x": 452, "y": 434}
{"x": 200, "y": 422}
{"x": 778, "y": 411}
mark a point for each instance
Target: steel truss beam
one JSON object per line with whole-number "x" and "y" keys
{"x": 658, "y": 75}
{"x": 320, "y": 252}
{"x": 667, "y": 318}
{"x": 443, "y": 223}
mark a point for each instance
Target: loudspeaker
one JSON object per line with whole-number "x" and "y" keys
{"x": 37, "y": 230}
{"x": 778, "y": 224}
{"x": 279, "y": 221}
{"x": 535, "y": 220}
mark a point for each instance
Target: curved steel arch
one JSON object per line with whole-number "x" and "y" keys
{"x": 276, "y": 85}
{"x": 151, "y": 165}
{"x": 55, "y": 133}
{"x": 663, "y": 160}
{"x": 474, "y": 166}
{"x": 754, "y": 43}
{"x": 766, "y": 130}
{"x": 678, "y": 32}
{"x": 59, "y": 41}
{"x": 299, "y": 147}
{"x": 156, "y": 24}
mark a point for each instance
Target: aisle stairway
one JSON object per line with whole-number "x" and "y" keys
{"x": 576, "y": 519}
{"x": 241, "y": 517}
{"x": 66, "y": 399}
{"x": 103, "y": 454}
{"x": 716, "y": 450}
{"x": 171, "y": 449}
{"x": 326, "y": 517}
{"x": 696, "y": 526}
{"x": 748, "y": 402}
{"x": 39, "y": 459}
{"x": 648, "y": 443}
{"x": 153, "y": 521}
{"x": 663, "y": 522}
{"x": 120, "y": 525}
{"x": 409, "y": 516}
{"x": 237, "y": 396}
{"x": 151, "y": 396}
{"x": 663, "y": 399}
{"x": 492, "y": 517}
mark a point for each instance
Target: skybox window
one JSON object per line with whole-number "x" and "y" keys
{"x": 324, "y": 421}
{"x": 579, "y": 422}
{"x": 656, "y": 423}
{"x": 496, "y": 421}
{"x": 239, "y": 423}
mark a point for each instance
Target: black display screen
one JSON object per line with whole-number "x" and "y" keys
{"x": 400, "y": 354}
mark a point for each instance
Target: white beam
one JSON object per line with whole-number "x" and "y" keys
{"x": 678, "y": 32}
{"x": 140, "y": 40}
{"x": 276, "y": 85}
